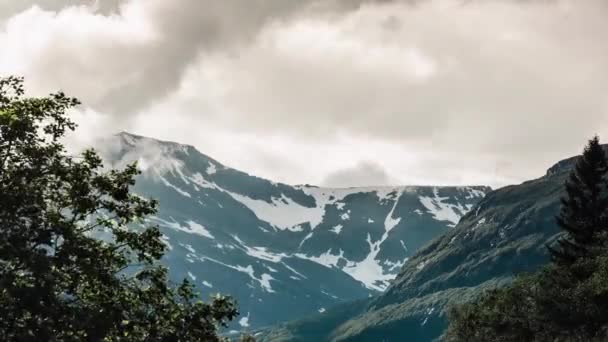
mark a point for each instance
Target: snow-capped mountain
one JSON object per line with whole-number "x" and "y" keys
{"x": 505, "y": 234}
{"x": 283, "y": 251}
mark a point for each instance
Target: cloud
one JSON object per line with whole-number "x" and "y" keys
{"x": 123, "y": 61}
{"x": 121, "y": 56}
{"x": 365, "y": 173}
{"x": 436, "y": 91}
{"x": 10, "y": 8}
{"x": 443, "y": 78}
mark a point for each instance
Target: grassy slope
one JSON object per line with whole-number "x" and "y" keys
{"x": 504, "y": 235}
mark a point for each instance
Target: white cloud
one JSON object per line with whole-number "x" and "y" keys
{"x": 365, "y": 173}
{"x": 438, "y": 91}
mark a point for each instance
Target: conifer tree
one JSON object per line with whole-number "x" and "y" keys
{"x": 584, "y": 211}
{"x": 568, "y": 299}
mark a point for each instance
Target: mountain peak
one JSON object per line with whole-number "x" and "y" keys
{"x": 278, "y": 246}
{"x": 134, "y": 139}
{"x": 135, "y": 145}
{"x": 154, "y": 157}
{"x": 568, "y": 163}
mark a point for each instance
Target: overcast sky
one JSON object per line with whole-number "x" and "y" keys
{"x": 329, "y": 92}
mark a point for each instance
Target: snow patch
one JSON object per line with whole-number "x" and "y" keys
{"x": 211, "y": 169}
{"x": 390, "y": 222}
{"x": 188, "y": 248}
{"x": 329, "y": 294}
{"x": 421, "y": 265}
{"x": 283, "y": 213}
{"x": 428, "y": 314}
{"x": 199, "y": 180}
{"x": 261, "y": 253}
{"x": 337, "y": 229}
{"x": 392, "y": 265}
{"x": 403, "y": 245}
{"x": 369, "y": 271}
{"x": 192, "y": 228}
{"x": 474, "y": 193}
{"x": 264, "y": 279}
{"x": 441, "y": 210}
{"x": 305, "y": 238}
{"x": 195, "y": 228}
{"x": 296, "y": 229}
{"x": 390, "y": 193}
{"x": 244, "y": 321}
{"x": 479, "y": 223}
{"x": 180, "y": 191}
{"x": 326, "y": 259}
{"x": 294, "y": 271}
{"x": 265, "y": 282}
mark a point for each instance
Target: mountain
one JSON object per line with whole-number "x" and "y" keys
{"x": 503, "y": 235}
{"x": 283, "y": 251}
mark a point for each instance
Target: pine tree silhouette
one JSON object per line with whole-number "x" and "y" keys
{"x": 584, "y": 212}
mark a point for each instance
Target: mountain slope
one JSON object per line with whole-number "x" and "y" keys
{"x": 503, "y": 235}
{"x": 283, "y": 251}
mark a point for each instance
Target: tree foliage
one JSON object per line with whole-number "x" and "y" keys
{"x": 59, "y": 280}
{"x": 552, "y": 305}
{"x": 568, "y": 299}
{"x": 583, "y": 216}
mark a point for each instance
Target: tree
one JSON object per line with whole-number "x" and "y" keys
{"x": 568, "y": 299}
{"x": 554, "y": 304}
{"x": 58, "y": 280}
{"x": 584, "y": 212}
{"x": 247, "y": 338}
{"x": 497, "y": 315}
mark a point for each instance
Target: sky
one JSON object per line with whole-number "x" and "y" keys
{"x": 328, "y": 92}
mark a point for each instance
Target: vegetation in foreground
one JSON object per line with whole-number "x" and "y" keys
{"x": 568, "y": 299}
{"x": 77, "y": 260}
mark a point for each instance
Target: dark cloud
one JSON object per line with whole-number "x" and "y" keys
{"x": 140, "y": 73}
